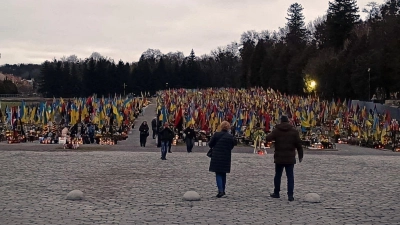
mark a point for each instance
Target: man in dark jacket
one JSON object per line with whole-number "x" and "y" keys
{"x": 287, "y": 140}
{"x": 165, "y": 135}
{"x": 154, "y": 127}
{"x": 190, "y": 136}
{"x": 159, "y": 127}
{"x": 171, "y": 127}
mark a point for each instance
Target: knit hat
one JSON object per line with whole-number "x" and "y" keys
{"x": 284, "y": 119}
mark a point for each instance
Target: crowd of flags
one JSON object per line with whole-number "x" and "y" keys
{"x": 96, "y": 110}
{"x": 259, "y": 108}
{"x": 207, "y": 108}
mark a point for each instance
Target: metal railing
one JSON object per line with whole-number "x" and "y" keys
{"x": 11, "y": 95}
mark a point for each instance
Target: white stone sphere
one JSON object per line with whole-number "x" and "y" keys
{"x": 312, "y": 197}
{"x": 191, "y": 196}
{"x": 75, "y": 195}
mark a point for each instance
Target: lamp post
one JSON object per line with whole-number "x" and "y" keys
{"x": 124, "y": 88}
{"x": 313, "y": 84}
{"x": 166, "y": 85}
{"x": 369, "y": 84}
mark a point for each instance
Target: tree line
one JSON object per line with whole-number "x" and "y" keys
{"x": 345, "y": 56}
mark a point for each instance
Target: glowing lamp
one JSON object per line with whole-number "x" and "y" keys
{"x": 313, "y": 84}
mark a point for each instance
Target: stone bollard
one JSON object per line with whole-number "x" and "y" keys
{"x": 312, "y": 197}
{"x": 75, "y": 195}
{"x": 191, "y": 196}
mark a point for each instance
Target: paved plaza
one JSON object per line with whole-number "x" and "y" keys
{"x": 126, "y": 184}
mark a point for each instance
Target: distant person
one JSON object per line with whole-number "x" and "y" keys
{"x": 221, "y": 144}
{"x": 154, "y": 127}
{"x": 159, "y": 127}
{"x": 190, "y": 135}
{"x": 165, "y": 135}
{"x": 142, "y": 111}
{"x": 144, "y": 133}
{"x": 287, "y": 140}
{"x": 91, "y": 130}
{"x": 171, "y": 140}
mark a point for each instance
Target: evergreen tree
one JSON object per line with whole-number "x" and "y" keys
{"x": 192, "y": 71}
{"x": 391, "y": 8}
{"x": 256, "y": 63}
{"x": 90, "y": 79}
{"x": 341, "y": 18}
{"x": 143, "y": 75}
{"x": 160, "y": 74}
{"x": 47, "y": 79}
{"x": 297, "y": 32}
{"x": 246, "y": 54}
{"x": 182, "y": 75}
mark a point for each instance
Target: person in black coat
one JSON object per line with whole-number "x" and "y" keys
{"x": 171, "y": 140}
{"x": 159, "y": 127}
{"x": 221, "y": 144}
{"x": 154, "y": 127}
{"x": 144, "y": 133}
{"x": 190, "y": 136}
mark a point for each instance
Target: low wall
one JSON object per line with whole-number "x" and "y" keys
{"x": 381, "y": 108}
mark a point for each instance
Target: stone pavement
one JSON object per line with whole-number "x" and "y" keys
{"x": 139, "y": 188}
{"x": 126, "y": 184}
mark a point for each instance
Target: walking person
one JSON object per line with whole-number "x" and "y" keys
{"x": 144, "y": 133}
{"x": 91, "y": 131}
{"x": 154, "y": 127}
{"x": 171, "y": 140}
{"x": 165, "y": 135}
{"x": 287, "y": 140}
{"x": 221, "y": 144}
{"x": 190, "y": 135}
{"x": 159, "y": 127}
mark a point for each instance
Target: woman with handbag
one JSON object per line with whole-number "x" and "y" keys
{"x": 221, "y": 145}
{"x": 144, "y": 133}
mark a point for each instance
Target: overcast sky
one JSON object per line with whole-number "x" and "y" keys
{"x": 32, "y": 31}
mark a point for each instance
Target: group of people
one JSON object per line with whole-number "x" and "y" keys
{"x": 286, "y": 137}
{"x": 166, "y": 136}
{"x": 287, "y": 141}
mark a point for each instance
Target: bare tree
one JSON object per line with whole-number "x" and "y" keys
{"x": 96, "y": 56}
{"x": 152, "y": 54}
{"x": 250, "y": 36}
{"x": 372, "y": 10}
{"x": 73, "y": 58}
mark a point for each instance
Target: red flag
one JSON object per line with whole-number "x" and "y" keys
{"x": 267, "y": 121}
{"x": 388, "y": 119}
{"x": 178, "y": 117}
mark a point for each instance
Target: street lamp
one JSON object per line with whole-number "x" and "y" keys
{"x": 313, "y": 84}
{"x": 369, "y": 84}
{"x": 124, "y": 88}
{"x": 166, "y": 85}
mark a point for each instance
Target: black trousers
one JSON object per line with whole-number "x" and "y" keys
{"x": 290, "y": 178}
{"x": 169, "y": 144}
{"x": 143, "y": 139}
{"x": 159, "y": 141}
